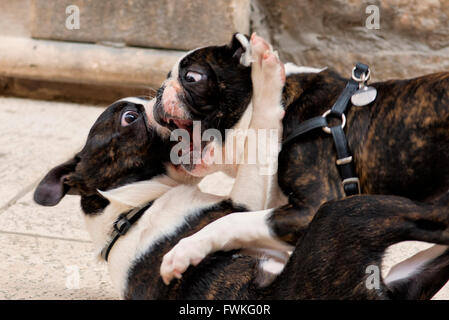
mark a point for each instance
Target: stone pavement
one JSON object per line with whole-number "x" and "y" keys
{"x": 44, "y": 249}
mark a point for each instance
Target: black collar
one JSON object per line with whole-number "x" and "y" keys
{"x": 122, "y": 225}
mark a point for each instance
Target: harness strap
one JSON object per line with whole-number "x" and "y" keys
{"x": 351, "y": 183}
{"x": 342, "y": 102}
{"x": 306, "y": 126}
{"x": 122, "y": 225}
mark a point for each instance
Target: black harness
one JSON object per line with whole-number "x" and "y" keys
{"x": 122, "y": 225}
{"x": 350, "y": 182}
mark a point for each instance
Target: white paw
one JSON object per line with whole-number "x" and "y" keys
{"x": 267, "y": 69}
{"x": 268, "y": 77}
{"x": 188, "y": 251}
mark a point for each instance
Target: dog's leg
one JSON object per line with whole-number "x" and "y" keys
{"x": 348, "y": 239}
{"x": 255, "y": 185}
{"x": 289, "y": 223}
{"x": 424, "y": 274}
{"x": 234, "y": 231}
{"x": 421, "y": 276}
{"x": 256, "y": 182}
{"x": 278, "y": 229}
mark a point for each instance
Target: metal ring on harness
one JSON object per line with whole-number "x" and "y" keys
{"x": 343, "y": 121}
{"x": 364, "y": 76}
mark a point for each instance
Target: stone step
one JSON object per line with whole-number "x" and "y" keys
{"x": 80, "y": 72}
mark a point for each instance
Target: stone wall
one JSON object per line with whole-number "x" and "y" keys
{"x": 168, "y": 24}
{"x": 126, "y": 46}
{"x": 413, "y": 38}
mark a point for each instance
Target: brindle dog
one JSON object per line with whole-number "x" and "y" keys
{"x": 399, "y": 142}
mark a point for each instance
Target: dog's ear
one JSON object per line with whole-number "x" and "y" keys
{"x": 241, "y": 49}
{"x": 53, "y": 188}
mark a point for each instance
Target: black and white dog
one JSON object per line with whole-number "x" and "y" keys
{"x": 400, "y": 142}
{"x": 125, "y": 166}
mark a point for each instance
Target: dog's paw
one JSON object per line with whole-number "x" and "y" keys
{"x": 267, "y": 69}
{"x": 188, "y": 251}
{"x": 268, "y": 77}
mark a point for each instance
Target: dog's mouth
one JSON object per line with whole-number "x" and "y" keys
{"x": 180, "y": 124}
{"x": 191, "y": 153}
{"x": 187, "y": 148}
{"x": 186, "y": 125}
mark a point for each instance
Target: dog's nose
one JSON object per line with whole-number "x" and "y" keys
{"x": 171, "y": 103}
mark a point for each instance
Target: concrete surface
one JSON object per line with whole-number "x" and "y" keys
{"x": 43, "y": 249}
{"x": 45, "y": 253}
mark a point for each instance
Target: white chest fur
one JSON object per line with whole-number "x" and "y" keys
{"x": 162, "y": 219}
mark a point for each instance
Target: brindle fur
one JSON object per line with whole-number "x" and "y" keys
{"x": 400, "y": 142}
{"x": 347, "y": 236}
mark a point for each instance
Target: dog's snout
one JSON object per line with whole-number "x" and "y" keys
{"x": 169, "y": 102}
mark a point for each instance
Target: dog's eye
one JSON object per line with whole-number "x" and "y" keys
{"x": 129, "y": 117}
{"x": 193, "y": 76}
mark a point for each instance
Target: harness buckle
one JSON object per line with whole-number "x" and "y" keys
{"x": 343, "y": 121}
{"x": 344, "y": 161}
{"x": 350, "y": 181}
{"x": 122, "y": 225}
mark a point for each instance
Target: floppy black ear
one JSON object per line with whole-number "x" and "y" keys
{"x": 241, "y": 49}
{"x": 52, "y": 187}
